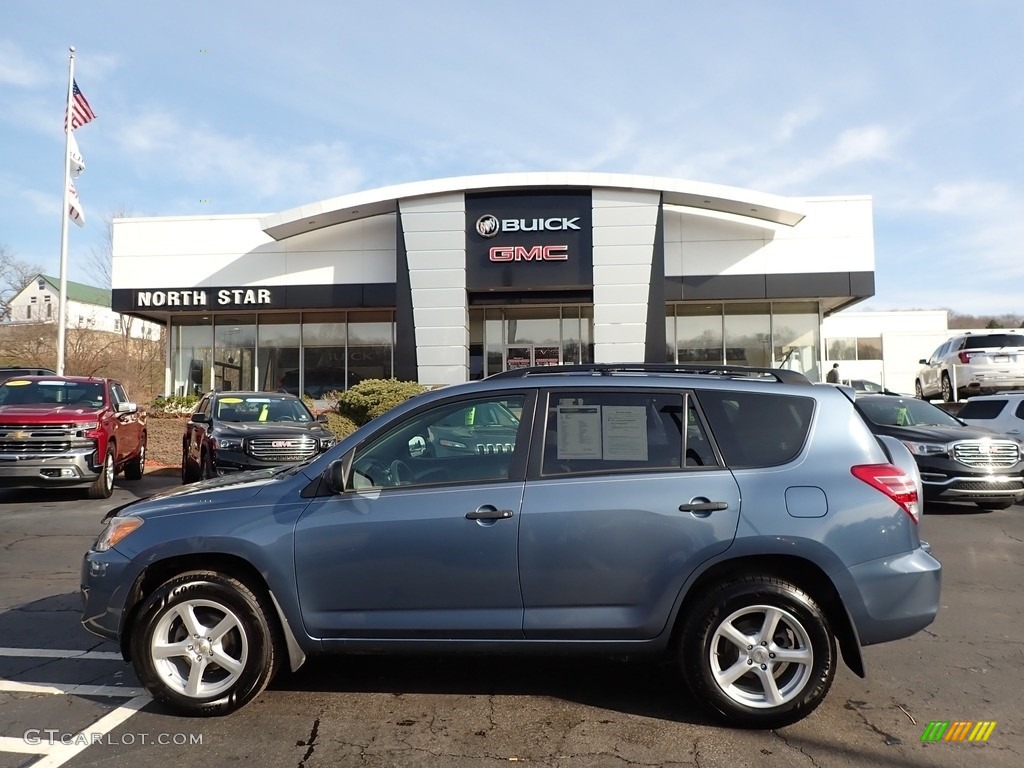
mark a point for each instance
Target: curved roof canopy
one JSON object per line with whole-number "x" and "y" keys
{"x": 691, "y": 194}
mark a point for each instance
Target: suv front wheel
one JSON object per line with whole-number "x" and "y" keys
{"x": 759, "y": 652}
{"x": 204, "y": 644}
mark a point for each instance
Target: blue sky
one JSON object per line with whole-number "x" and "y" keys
{"x": 262, "y": 106}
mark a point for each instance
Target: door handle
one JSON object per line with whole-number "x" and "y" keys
{"x": 703, "y": 506}
{"x": 489, "y": 513}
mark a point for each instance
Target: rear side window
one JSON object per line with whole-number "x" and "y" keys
{"x": 994, "y": 340}
{"x": 757, "y": 429}
{"x": 620, "y": 432}
{"x": 981, "y": 409}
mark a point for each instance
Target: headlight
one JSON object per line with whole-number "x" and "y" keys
{"x": 925, "y": 449}
{"x": 227, "y": 443}
{"x": 327, "y": 442}
{"x": 117, "y": 528}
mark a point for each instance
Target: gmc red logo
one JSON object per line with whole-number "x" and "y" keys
{"x": 536, "y": 253}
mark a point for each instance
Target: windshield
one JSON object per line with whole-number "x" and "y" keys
{"x": 905, "y": 412}
{"x": 261, "y": 410}
{"x": 81, "y": 394}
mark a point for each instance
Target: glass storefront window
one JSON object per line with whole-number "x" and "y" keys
{"x": 278, "y": 349}
{"x": 370, "y": 346}
{"x": 699, "y": 333}
{"x": 191, "y": 355}
{"x": 748, "y": 338}
{"x": 234, "y": 352}
{"x": 795, "y": 328}
{"x": 324, "y": 338}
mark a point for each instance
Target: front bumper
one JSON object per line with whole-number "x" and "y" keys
{"x": 964, "y": 486}
{"x": 32, "y": 470}
{"x": 106, "y": 579}
{"x": 893, "y": 597}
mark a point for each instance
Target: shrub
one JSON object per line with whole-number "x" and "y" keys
{"x": 341, "y": 426}
{"x": 173, "y": 405}
{"x": 372, "y": 397}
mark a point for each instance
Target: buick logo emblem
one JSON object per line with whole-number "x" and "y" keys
{"x": 488, "y": 225}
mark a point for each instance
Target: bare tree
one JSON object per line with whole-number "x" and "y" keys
{"x": 15, "y": 274}
{"x": 101, "y": 256}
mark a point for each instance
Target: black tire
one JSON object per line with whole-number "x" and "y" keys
{"x": 993, "y": 505}
{"x": 186, "y": 474}
{"x": 947, "y": 389}
{"x": 135, "y": 468}
{"x": 103, "y": 486}
{"x": 801, "y": 629}
{"x": 918, "y": 390}
{"x": 211, "y": 599}
{"x": 206, "y": 467}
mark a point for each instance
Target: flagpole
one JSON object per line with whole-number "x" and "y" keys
{"x": 62, "y": 306}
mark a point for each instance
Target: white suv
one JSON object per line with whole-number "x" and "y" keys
{"x": 973, "y": 364}
{"x": 1001, "y": 413}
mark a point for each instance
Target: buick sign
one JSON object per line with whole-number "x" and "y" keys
{"x": 488, "y": 225}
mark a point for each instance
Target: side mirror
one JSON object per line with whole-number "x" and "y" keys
{"x": 321, "y": 418}
{"x": 127, "y": 407}
{"x": 417, "y": 446}
{"x": 922, "y": 361}
{"x": 335, "y": 475}
{"x": 199, "y": 418}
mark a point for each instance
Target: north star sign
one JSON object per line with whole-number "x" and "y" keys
{"x": 200, "y": 298}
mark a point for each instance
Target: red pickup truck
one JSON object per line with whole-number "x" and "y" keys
{"x": 69, "y": 431}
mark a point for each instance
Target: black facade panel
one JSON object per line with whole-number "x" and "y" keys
{"x": 805, "y": 285}
{"x": 529, "y": 241}
{"x": 708, "y": 287}
{"x": 654, "y": 343}
{"x": 406, "y": 365}
{"x": 253, "y": 298}
{"x": 862, "y": 284}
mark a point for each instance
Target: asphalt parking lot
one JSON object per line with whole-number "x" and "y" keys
{"x": 67, "y": 699}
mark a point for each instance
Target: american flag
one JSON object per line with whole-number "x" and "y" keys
{"x": 81, "y": 112}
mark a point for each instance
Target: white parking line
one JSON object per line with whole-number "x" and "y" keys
{"x": 56, "y": 754}
{"x": 14, "y": 686}
{"x": 56, "y": 653}
{"x": 60, "y": 753}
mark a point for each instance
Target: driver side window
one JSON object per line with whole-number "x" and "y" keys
{"x": 466, "y": 441}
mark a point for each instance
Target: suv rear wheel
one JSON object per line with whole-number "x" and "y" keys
{"x": 759, "y": 652}
{"x": 204, "y": 644}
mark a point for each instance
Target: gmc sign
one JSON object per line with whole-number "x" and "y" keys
{"x": 534, "y": 253}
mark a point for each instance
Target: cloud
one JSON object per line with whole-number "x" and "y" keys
{"x": 14, "y": 195}
{"x": 259, "y": 170}
{"x": 16, "y": 69}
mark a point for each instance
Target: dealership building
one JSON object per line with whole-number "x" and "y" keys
{"x": 453, "y": 279}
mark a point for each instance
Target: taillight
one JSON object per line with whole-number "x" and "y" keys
{"x": 965, "y": 357}
{"x": 894, "y": 483}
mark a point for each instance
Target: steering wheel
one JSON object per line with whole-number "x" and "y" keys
{"x": 400, "y": 473}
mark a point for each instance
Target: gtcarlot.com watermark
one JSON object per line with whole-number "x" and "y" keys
{"x": 52, "y": 736}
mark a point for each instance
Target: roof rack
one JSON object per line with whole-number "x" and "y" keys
{"x": 781, "y": 375}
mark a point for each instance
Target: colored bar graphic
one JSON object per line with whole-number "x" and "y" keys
{"x": 958, "y": 730}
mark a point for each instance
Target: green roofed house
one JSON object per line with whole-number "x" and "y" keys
{"x": 88, "y": 307}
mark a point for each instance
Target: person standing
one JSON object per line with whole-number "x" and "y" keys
{"x": 832, "y": 377}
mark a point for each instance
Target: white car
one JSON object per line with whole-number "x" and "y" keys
{"x": 973, "y": 363}
{"x": 1003, "y": 413}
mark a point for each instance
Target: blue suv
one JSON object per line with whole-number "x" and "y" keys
{"x": 743, "y": 522}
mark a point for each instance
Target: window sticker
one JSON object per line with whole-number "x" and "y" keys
{"x": 624, "y": 432}
{"x": 16, "y": 383}
{"x": 579, "y": 432}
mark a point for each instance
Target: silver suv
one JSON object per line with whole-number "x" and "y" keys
{"x": 742, "y": 522}
{"x": 972, "y": 364}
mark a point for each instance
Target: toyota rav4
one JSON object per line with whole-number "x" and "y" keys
{"x": 743, "y": 522}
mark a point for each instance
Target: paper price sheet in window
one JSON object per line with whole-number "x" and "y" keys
{"x": 611, "y": 432}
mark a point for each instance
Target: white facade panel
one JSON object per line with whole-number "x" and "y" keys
{"x": 434, "y": 375}
{"x": 434, "y": 221}
{"x": 436, "y": 278}
{"x": 637, "y": 235}
{"x": 444, "y": 259}
{"x": 438, "y": 298}
{"x": 621, "y": 294}
{"x": 446, "y": 355}
{"x": 618, "y": 353}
